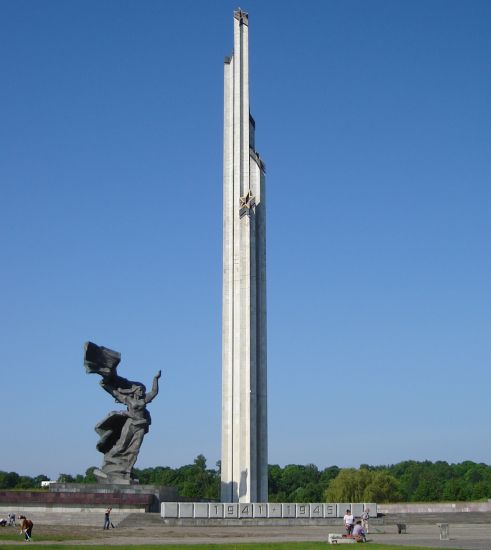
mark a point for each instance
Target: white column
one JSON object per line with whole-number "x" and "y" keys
{"x": 244, "y": 434}
{"x": 228, "y": 275}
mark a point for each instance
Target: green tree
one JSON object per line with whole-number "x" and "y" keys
{"x": 8, "y": 480}
{"x": 200, "y": 463}
{"x": 348, "y": 486}
{"x": 383, "y": 487}
{"x": 363, "y": 485}
{"x": 89, "y": 475}
{"x": 25, "y": 482}
{"x": 406, "y": 481}
{"x": 455, "y": 489}
{"x": 36, "y": 481}
{"x": 65, "y": 478}
{"x": 274, "y": 482}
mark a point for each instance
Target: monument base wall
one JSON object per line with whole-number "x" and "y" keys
{"x": 161, "y": 493}
{"x": 261, "y": 522}
{"x": 78, "y": 497}
{"x": 434, "y": 507}
{"x": 260, "y": 511}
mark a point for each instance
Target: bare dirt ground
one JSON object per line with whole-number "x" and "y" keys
{"x": 470, "y": 537}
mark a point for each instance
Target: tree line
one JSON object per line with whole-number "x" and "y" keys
{"x": 408, "y": 481}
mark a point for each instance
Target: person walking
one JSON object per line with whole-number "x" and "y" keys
{"x": 364, "y": 519}
{"x": 107, "y": 519}
{"x": 26, "y": 526}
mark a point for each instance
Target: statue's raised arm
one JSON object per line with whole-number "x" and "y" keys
{"x": 155, "y": 388}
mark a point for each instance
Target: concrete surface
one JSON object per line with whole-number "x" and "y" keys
{"x": 150, "y": 529}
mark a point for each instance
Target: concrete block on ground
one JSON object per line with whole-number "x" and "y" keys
{"x": 444, "y": 534}
{"x": 334, "y": 538}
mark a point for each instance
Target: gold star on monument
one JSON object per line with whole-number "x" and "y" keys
{"x": 246, "y": 202}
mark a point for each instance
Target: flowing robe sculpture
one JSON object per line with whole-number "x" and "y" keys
{"x": 121, "y": 432}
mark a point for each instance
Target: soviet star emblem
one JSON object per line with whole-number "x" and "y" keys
{"x": 246, "y": 202}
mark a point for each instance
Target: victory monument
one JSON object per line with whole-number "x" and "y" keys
{"x": 244, "y": 380}
{"x": 244, "y": 465}
{"x": 121, "y": 432}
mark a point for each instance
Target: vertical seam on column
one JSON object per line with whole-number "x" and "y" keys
{"x": 232, "y": 294}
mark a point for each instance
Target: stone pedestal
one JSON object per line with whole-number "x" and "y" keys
{"x": 119, "y": 496}
{"x": 443, "y": 531}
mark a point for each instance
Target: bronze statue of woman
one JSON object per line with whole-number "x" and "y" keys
{"x": 121, "y": 432}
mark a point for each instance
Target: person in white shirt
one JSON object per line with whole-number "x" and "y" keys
{"x": 349, "y": 521}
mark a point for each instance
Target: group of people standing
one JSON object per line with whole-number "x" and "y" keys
{"x": 10, "y": 521}
{"x": 25, "y": 525}
{"x": 358, "y": 529}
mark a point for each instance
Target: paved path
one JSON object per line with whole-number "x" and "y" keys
{"x": 468, "y": 537}
{"x": 149, "y": 529}
{"x": 464, "y": 536}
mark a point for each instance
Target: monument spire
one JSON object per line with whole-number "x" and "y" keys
{"x": 244, "y": 380}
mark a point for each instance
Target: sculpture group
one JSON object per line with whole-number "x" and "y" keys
{"x": 121, "y": 432}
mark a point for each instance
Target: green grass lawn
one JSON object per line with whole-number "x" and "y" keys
{"x": 15, "y": 536}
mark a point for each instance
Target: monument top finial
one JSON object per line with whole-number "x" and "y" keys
{"x": 242, "y": 16}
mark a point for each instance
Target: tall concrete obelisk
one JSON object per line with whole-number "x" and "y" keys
{"x": 244, "y": 382}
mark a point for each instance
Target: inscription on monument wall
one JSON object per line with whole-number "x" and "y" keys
{"x": 357, "y": 509}
{"x": 215, "y": 510}
{"x": 342, "y": 507}
{"x": 201, "y": 510}
{"x": 231, "y": 510}
{"x": 219, "y": 510}
{"x": 274, "y": 510}
{"x": 260, "y": 510}
{"x": 317, "y": 510}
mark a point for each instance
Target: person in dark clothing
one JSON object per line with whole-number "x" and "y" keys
{"x": 107, "y": 519}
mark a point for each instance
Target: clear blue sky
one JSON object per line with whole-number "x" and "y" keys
{"x": 374, "y": 119}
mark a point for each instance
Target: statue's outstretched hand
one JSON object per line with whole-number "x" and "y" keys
{"x": 158, "y": 375}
